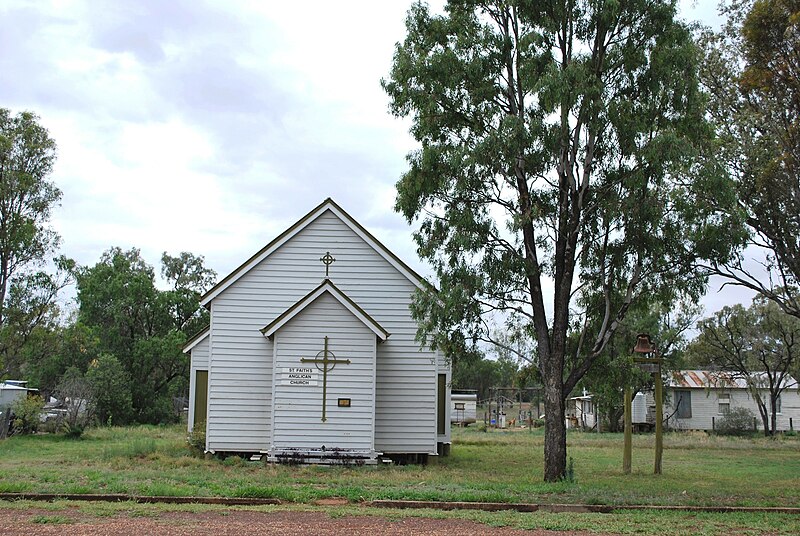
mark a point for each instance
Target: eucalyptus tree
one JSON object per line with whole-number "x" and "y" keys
{"x": 752, "y": 72}
{"x": 27, "y": 197}
{"x": 557, "y": 163}
{"x": 189, "y": 279}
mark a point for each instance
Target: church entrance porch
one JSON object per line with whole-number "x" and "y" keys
{"x": 324, "y": 382}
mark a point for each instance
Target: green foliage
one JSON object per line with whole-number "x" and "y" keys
{"x": 482, "y": 374}
{"x": 569, "y": 475}
{"x": 26, "y": 412}
{"x": 27, "y": 198}
{"x": 752, "y": 73}
{"x": 189, "y": 279}
{"x": 143, "y": 327}
{"x": 555, "y": 144}
{"x": 72, "y": 431}
{"x": 136, "y": 448}
{"x": 112, "y": 390}
{"x": 737, "y": 422}
{"x": 78, "y": 396}
{"x": 51, "y": 520}
{"x": 73, "y": 345}
{"x": 615, "y": 368}
{"x": 197, "y": 438}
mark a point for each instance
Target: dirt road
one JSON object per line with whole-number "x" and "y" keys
{"x": 239, "y": 523}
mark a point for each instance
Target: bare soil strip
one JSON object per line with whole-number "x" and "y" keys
{"x": 437, "y": 505}
{"x": 237, "y": 523}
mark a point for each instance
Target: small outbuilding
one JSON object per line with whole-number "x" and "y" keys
{"x": 581, "y": 412}
{"x": 13, "y": 390}
{"x": 311, "y": 353}
{"x": 464, "y": 407}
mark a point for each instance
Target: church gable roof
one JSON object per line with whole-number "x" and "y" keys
{"x": 326, "y": 206}
{"x": 326, "y": 287}
{"x": 196, "y": 339}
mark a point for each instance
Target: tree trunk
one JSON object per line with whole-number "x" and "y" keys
{"x": 555, "y": 431}
{"x": 773, "y": 413}
{"x": 762, "y": 409}
{"x": 614, "y": 416}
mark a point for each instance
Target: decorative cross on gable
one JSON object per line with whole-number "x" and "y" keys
{"x": 327, "y": 260}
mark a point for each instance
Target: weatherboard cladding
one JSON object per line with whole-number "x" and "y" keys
{"x": 706, "y": 411}
{"x": 326, "y": 287}
{"x": 298, "y": 409}
{"x": 240, "y": 375}
{"x": 706, "y": 386}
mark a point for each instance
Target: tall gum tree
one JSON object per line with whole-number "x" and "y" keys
{"x": 27, "y": 197}
{"x": 558, "y": 145}
{"x": 751, "y": 70}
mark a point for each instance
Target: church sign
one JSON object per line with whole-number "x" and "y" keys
{"x": 299, "y": 376}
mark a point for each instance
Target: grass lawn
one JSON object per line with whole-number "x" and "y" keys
{"x": 493, "y": 466}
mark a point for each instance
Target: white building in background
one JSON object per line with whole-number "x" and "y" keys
{"x": 698, "y": 399}
{"x": 13, "y": 390}
{"x": 464, "y": 407}
{"x": 311, "y": 352}
{"x": 581, "y": 412}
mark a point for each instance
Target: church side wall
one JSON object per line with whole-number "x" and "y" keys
{"x": 199, "y": 361}
{"x": 240, "y": 383}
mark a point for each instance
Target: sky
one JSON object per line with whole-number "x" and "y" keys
{"x": 211, "y": 126}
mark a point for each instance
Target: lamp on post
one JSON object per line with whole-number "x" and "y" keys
{"x": 649, "y": 361}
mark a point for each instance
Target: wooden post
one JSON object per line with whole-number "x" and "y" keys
{"x": 713, "y": 424}
{"x": 597, "y": 416}
{"x": 626, "y": 456}
{"x": 659, "y": 421}
{"x": 791, "y": 425}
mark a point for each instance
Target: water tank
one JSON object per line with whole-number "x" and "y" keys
{"x": 639, "y": 409}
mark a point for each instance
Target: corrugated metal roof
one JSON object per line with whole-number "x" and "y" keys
{"x": 702, "y": 379}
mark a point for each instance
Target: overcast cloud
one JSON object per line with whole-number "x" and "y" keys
{"x": 209, "y": 127}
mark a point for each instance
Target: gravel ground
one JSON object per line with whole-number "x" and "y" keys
{"x": 239, "y": 523}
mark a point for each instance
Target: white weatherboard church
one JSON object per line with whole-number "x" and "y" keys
{"x": 311, "y": 356}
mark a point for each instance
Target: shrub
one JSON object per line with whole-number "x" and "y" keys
{"x": 197, "y": 437}
{"x": 737, "y": 422}
{"x": 27, "y": 412}
{"x": 569, "y": 474}
{"x": 72, "y": 431}
{"x": 77, "y": 395}
{"x": 112, "y": 387}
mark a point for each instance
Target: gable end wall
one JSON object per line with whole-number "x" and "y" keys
{"x": 240, "y": 380}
